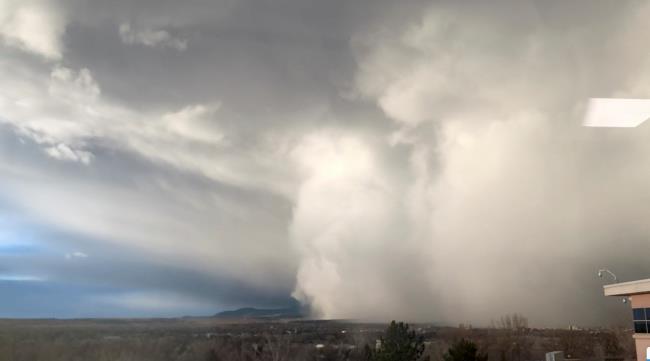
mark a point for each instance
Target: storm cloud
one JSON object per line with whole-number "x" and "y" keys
{"x": 423, "y": 162}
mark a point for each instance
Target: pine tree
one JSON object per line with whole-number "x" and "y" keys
{"x": 398, "y": 344}
{"x": 464, "y": 350}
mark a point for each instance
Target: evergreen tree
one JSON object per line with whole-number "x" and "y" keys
{"x": 399, "y": 343}
{"x": 464, "y": 350}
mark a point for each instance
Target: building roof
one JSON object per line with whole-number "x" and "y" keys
{"x": 627, "y": 288}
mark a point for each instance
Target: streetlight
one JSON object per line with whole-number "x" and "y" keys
{"x": 602, "y": 271}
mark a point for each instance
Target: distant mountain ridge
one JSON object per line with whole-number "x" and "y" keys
{"x": 252, "y": 312}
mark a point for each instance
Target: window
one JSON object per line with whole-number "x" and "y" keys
{"x": 640, "y": 316}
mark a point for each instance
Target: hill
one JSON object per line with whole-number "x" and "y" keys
{"x": 251, "y": 312}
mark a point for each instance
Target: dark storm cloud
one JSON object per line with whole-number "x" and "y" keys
{"x": 50, "y": 257}
{"x": 279, "y": 55}
{"x": 375, "y": 160}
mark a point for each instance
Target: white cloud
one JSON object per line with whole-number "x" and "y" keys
{"x": 32, "y": 25}
{"x": 347, "y": 211}
{"x": 193, "y": 123}
{"x": 150, "y": 37}
{"x": 75, "y": 87}
{"x": 75, "y": 254}
{"x": 63, "y": 152}
{"x": 65, "y": 109}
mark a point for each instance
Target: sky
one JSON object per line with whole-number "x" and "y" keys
{"x": 413, "y": 160}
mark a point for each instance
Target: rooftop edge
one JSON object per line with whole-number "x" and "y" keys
{"x": 627, "y": 288}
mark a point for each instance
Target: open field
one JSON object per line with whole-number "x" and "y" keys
{"x": 213, "y": 339}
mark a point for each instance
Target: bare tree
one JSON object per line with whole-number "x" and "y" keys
{"x": 511, "y": 341}
{"x": 513, "y": 322}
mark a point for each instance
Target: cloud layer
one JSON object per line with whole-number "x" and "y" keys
{"x": 420, "y": 162}
{"x": 35, "y": 26}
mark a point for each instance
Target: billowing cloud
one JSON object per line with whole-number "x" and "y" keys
{"x": 33, "y": 25}
{"x": 502, "y": 194}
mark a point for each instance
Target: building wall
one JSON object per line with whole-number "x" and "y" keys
{"x": 642, "y": 340}
{"x": 642, "y": 344}
{"x": 639, "y": 301}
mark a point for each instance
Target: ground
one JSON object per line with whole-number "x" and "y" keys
{"x": 214, "y": 339}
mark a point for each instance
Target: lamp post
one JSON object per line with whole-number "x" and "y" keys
{"x": 602, "y": 271}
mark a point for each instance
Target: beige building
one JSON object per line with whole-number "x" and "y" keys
{"x": 638, "y": 293}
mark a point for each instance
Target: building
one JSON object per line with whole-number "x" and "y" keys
{"x": 638, "y": 294}
{"x": 555, "y": 356}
